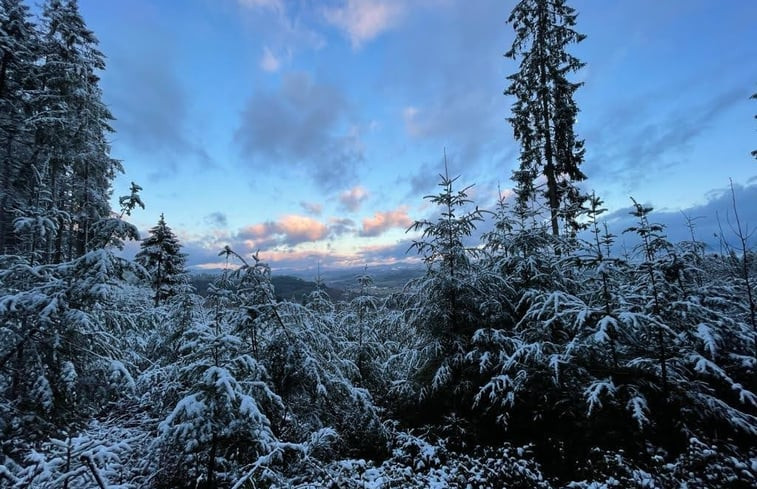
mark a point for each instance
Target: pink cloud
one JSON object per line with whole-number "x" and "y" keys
{"x": 302, "y": 228}
{"x": 352, "y": 198}
{"x": 288, "y": 230}
{"x": 283, "y": 261}
{"x": 258, "y": 230}
{"x": 382, "y": 221}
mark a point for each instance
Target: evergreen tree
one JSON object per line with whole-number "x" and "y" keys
{"x": 162, "y": 257}
{"x": 221, "y": 420}
{"x": 61, "y": 331}
{"x": 71, "y": 122}
{"x": 544, "y": 111}
{"x": 19, "y": 48}
{"x": 445, "y": 305}
{"x": 449, "y": 260}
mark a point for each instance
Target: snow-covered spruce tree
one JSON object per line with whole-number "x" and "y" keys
{"x": 564, "y": 347}
{"x": 359, "y": 321}
{"x": 160, "y": 254}
{"x": 443, "y": 306}
{"x": 524, "y": 393}
{"x": 98, "y": 459}
{"x": 71, "y": 123}
{"x": 691, "y": 356}
{"x": 19, "y": 48}
{"x": 742, "y": 259}
{"x": 61, "y": 355}
{"x": 520, "y": 251}
{"x": 301, "y": 350}
{"x": 113, "y": 230}
{"x": 544, "y": 111}
{"x": 221, "y": 421}
{"x": 581, "y": 374}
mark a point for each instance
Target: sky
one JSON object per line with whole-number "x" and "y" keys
{"x": 312, "y": 130}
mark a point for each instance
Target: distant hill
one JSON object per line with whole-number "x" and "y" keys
{"x": 386, "y": 278}
{"x": 286, "y": 287}
{"x": 294, "y": 288}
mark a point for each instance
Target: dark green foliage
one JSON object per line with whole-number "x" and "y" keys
{"x": 544, "y": 111}
{"x": 63, "y": 331}
{"x": 617, "y": 354}
{"x": 161, "y": 256}
{"x": 450, "y": 265}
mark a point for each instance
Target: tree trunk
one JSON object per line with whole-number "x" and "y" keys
{"x": 549, "y": 168}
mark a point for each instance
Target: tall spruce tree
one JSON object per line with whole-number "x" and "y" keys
{"x": 544, "y": 111}
{"x": 19, "y": 50}
{"x": 83, "y": 168}
{"x": 161, "y": 255}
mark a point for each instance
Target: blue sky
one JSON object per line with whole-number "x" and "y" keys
{"x": 311, "y": 130}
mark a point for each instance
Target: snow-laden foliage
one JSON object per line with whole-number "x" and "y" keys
{"x": 103, "y": 456}
{"x": 419, "y": 463}
{"x": 160, "y": 254}
{"x": 63, "y": 328}
{"x": 535, "y": 358}
{"x": 221, "y": 420}
{"x": 650, "y": 350}
{"x": 444, "y": 306}
{"x": 302, "y": 349}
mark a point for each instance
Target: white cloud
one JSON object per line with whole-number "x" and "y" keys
{"x": 364, "y": 20}
{"x": 269, "y": 62}
{"x": 412, "y": 126}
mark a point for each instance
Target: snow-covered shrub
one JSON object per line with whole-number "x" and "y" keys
{"x": 62, "y": 331}
{"x": 301, "y": 349}
{"x": 221, "y": 420}
{"x": 417, "y": 463}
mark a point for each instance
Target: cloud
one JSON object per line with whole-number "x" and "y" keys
{"x": 284, "y": 27}
{"x": 364, "y": 20}
{"x": 304, "y": 126}
{"x": 280, "y": 237}
{"x": 339, "y": 226}
{"x": 704, "y": 217}
{"x": 410, "y": 117}
{"x": 383, "y": 221}
{"x": 149, "y": 101}
{"x": 352, "y": 199}
{"x": 634, "y": 142}
{"x": 398, "y": 252}
{"x": 269, "y": 62}
{"x": 217, "y": 219}
{"x": 450, "y": 84}
{"x": 206, "y": 256}
{"x": 290, "y": 230}
{"x": 312, "y": 208}
{"x": 300, "y": 228}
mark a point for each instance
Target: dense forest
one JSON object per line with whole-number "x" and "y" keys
{"x": 542, "y": 356}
